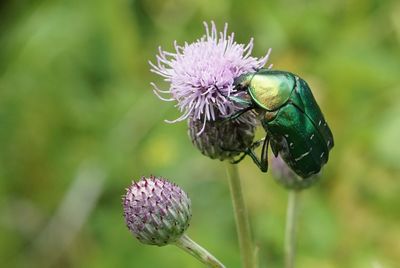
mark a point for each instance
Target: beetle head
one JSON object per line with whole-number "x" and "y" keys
{"x": 242, "y": 82}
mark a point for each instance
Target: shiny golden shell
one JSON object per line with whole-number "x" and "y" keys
{"x": 271, "y": 91}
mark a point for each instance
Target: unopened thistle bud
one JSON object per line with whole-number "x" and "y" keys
{"x": 286, "y": 177}
{"x": 156, "y": 211}
{"x": 222, "y": 139}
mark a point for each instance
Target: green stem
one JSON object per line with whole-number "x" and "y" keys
{"x": 198, "y": 252}
{"x": 290, "y": 232}
{"x": 241, "y": 217}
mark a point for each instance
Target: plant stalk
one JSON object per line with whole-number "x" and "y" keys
{"x": 198, "y": 252}
{"x": 290, "y": 231}
{"x": 241, "y": 217}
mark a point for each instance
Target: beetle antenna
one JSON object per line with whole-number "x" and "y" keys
{"x": 220, "y": 92}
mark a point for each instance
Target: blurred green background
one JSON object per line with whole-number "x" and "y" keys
{"x": 78, "y": 121}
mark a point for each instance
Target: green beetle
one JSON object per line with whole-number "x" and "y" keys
{"x": 295, "y": 126}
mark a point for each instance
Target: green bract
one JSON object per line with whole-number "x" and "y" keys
{"x": 295, "y": 125}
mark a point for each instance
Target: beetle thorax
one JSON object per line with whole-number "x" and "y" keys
{"x": 270, "y": 91}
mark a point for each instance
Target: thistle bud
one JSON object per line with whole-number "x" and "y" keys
{"x": 286, "y": 177}
{"x": 222, "y": 139}
{"x": 156, "y": 211}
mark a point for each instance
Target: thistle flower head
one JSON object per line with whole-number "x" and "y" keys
{"x": 222, "y": 139}
{"x": 201, "y": 74}
{"x": 156, "y": 211}
{"x": 287, "y": 178}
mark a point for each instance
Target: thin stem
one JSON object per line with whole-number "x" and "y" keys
{"x": 241, "y": 217}
{"x": 198, "y": 252}
{"x": 290, "y": 232}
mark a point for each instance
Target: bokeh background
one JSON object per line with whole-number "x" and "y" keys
{"x": 78, "y": 122}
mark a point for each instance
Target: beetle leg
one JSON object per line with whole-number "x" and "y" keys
{"x": 239, "y": 159}
{"x": 263, "y": 164}
{"x": 234, "y": 99}
{"x": 235, "y": 151}
{"x": 248, "y": 103}
{"x": 254, "y": 145}
{"x": 257, "y": 161}
{"x": 238, "y": 113}
{"x": 257, "y": 143}
{"x": 264, "y": 154}
{"x": 275, "y": 148}
{"x": 240, "y": 101}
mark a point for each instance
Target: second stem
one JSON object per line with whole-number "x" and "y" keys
{"x": 241, "y": 217}
{"x": 290, "y": 232}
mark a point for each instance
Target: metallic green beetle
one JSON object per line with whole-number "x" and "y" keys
{"x": 295, "y": 125}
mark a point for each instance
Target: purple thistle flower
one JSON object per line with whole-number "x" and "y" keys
{"x": 201, "y": 74}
